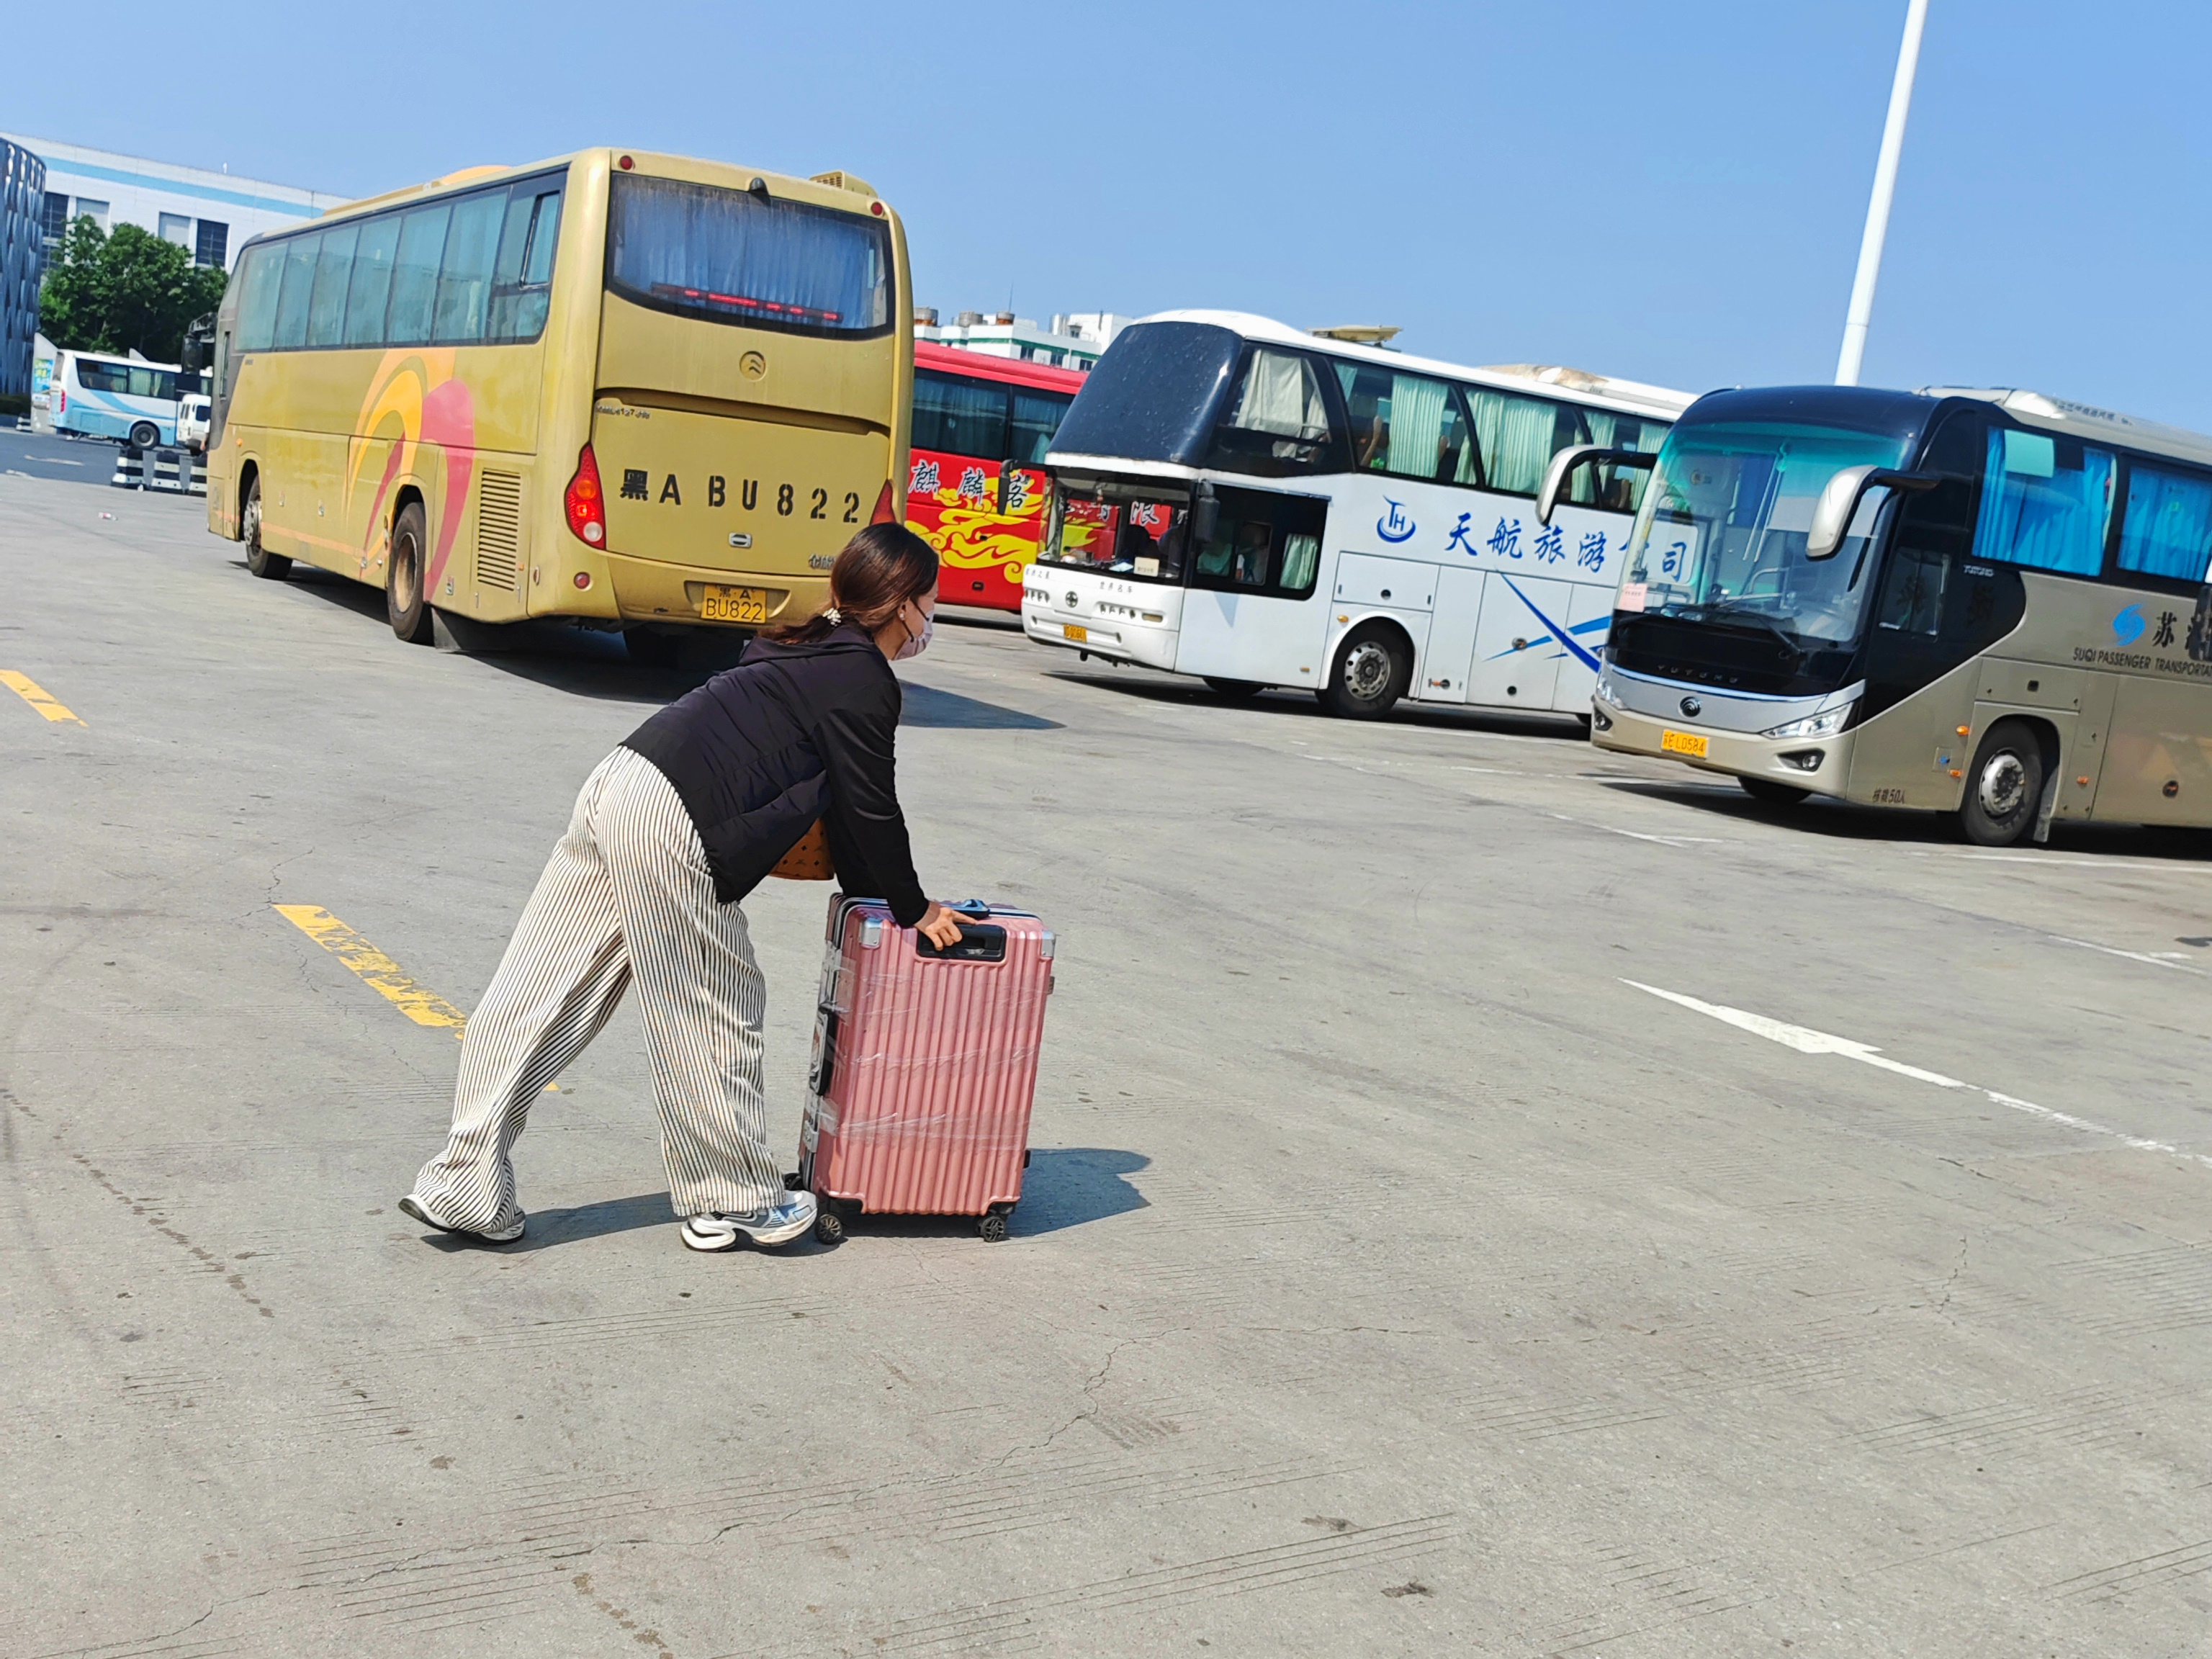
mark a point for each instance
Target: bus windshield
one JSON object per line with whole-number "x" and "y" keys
{"x": 1722, "y": 534}
{"x": 1152, "y": 396}
{"x": 1127, "y": 530}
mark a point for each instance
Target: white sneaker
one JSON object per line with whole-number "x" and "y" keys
{"x": 778, "y": 1223}
{"x": 414, "y": 1206}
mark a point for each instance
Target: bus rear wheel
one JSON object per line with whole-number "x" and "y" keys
{"x": 145, "y": 435}
{"x": 406, "y": 597}
{"x": 1371, "y": 672}
{"x": 2004, "y": 786}
{"x": 274, "y": 566}
{"x": 1771, "y": 793}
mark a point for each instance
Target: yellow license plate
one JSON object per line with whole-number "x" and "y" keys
{"x": 1075, "y": 632}
{"x": 1683, "y": 743}
{"x": 733, "y": 605}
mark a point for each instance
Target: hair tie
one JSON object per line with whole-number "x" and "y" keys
{"x": 835, "y": 615}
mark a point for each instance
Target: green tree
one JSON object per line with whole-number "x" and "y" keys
{"x": 129, "y": 291}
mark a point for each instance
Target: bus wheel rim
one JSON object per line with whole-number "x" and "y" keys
{"x": 2001, "y": 785}
{"x": 403, "y": 574}
{"x": 1367, "y": 671}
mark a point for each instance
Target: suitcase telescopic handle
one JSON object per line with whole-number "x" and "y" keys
{"x": 825, "y": 1055}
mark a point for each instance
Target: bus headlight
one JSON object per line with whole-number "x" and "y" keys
{"x": 1606, "y": 694}
{"x": 1825, "y": 724}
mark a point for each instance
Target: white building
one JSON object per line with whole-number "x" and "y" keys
{"x": 211, "y": 214}
{"x": 1073, "y": 340}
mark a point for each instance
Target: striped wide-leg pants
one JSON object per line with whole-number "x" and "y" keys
{"x": 627, "y": 895}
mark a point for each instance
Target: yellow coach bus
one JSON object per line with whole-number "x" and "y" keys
{"x": 644, "y": 392}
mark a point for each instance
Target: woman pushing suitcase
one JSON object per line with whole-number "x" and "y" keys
{"x": 672, "y": 829}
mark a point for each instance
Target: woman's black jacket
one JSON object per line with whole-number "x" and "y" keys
{"x": 793, "y": 734}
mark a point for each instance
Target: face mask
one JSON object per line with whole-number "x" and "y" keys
{"x": 917, "y": 643}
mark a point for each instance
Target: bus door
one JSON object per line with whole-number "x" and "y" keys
{"x": 1520, "y": 638}
{"x": 1443, "y": 673}
{"x": 1252, "y": 613}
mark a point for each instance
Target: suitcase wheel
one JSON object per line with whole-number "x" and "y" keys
{"x": 992, "y": 1229}
{"x": 829, "y": 1227}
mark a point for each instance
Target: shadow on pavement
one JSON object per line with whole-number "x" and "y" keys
{"x": 591, "y": 663}
{"x": 1292, "y": 703}
{"x": 927, "y": 706}
{"x": 976, "y": 615}
{"x": 1066, "y": 1186}
{"x": 1842, "y": 820}
{"x": 550, "y": 1227}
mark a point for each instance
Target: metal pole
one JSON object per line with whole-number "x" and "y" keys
{"x": 1885, "y": 186}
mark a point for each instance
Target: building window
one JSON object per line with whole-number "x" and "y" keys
{"x": 176, "y": 227}
{"x": 89, "y": 207}
{"x": 213, "y": 247}
{"x": 53, "y": 220}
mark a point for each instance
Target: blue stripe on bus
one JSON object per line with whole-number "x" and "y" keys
{"x": 1565, "y": 636}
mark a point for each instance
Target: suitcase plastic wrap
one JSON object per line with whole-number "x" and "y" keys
{"x": 925, "y": 1065}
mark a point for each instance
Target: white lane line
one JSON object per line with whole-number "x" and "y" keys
{"x": 2163, "y": 959}
{"x": 1806, "y": 1041}
{"x": 2179, "y": 867}
{"x": 1637, "y": 834}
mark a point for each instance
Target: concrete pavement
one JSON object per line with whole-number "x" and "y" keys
{"x": 1490, "y": 1197}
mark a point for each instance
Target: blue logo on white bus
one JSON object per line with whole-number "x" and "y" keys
{"x": 1394, "y": 526}
{"x": 2128, "y": 627}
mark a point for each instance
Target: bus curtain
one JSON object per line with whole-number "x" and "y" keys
{"x": 1417, "y": 425}
{"x": 2037, "y": 513}
{"x": 2168, "y": 528}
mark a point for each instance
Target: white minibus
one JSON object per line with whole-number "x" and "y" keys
{"x": 1237, "y": 501}
{"x": 97, "y": 396}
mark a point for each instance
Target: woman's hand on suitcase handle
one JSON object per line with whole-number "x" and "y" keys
{"x": 940, "y": 926}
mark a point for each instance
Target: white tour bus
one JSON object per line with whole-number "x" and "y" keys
{"x": 96, "y": 396}
{"x": 1235, "y": 500}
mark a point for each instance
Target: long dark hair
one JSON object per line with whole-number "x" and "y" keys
{"x": 881, "y": 568}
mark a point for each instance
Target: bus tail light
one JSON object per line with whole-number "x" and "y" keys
{"x": 586, "y": 501}
{"x": 884, "y": 514}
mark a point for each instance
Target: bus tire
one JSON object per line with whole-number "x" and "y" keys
{"x": 272, "y": 567}
{"x": 1768, "y": 792}
{"x": 1235, "y": 690}
{"x": 1371, "y": 672}
{"x": 2004, "y": 786}
{"x": 145, "y": 435}
{"x": 406, "y": 596}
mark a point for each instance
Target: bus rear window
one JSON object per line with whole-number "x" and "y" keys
{"x": 732, "y": 256}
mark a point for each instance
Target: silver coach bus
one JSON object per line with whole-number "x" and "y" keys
{"x": 1992, "y": 603}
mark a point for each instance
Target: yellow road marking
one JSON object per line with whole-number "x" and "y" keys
{"x": 35, "y": 694}
{"x": 418, "y": 1002}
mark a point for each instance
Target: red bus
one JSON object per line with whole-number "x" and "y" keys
{"x": 975, "y": 491}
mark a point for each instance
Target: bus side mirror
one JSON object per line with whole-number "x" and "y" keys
{"x": 1205, "y": 515}
{"x": 1840, "y": 504}
{"x": 1567, "y": 460}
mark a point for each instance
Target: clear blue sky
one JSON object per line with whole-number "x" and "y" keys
{"x": 1671, "y": 189}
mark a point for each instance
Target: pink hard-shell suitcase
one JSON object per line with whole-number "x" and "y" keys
{"x": 925, "y": 1066}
